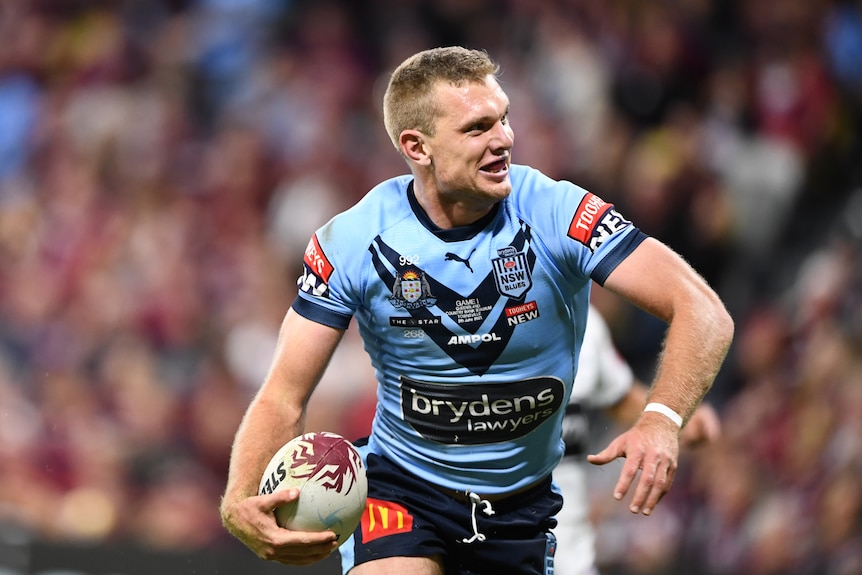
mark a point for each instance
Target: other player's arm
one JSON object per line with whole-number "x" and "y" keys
{"x": 274, "y": 416}
{"x": 656, "y": 279}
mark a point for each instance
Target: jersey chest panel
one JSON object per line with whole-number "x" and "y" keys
{"x": 484, "y": 304}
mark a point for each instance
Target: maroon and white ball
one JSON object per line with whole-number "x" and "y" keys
{"x": 329, "y": 473}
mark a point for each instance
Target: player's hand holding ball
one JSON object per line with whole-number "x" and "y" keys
{"x": 328, "y": 471}
{"x": 310, "y": 499}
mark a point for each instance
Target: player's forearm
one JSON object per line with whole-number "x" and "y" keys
{"x": 658, "y": 280}
{"x": 264, "y": 429}
{"x": 276, "y": 414}
{"x": 696, "y": 344}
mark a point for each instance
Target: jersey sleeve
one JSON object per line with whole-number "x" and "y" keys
{"x": 338, "y": 261}
{"x": 587, "y": 235}
{"x": 323, "y": 294}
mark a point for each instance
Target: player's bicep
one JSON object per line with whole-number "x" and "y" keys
{"x": 302, "y": 354}
{"x": 656, "y": 279}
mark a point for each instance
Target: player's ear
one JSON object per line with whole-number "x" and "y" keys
{"x": 415, "y": 147}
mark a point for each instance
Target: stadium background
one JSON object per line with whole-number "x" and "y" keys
{"x": 162, "y": 165}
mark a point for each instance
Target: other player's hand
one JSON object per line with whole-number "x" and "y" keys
{"x": 651, "y": 450}
{"x": 703, "y": 427}
{"x": 252, "y": 521}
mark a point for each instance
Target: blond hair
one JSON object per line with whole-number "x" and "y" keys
{"x": 409, "y": 102}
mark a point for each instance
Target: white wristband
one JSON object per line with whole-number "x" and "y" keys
{"x": 666, "y": 411}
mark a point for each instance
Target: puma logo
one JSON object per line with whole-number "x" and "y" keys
{"x": 466, "y": 261}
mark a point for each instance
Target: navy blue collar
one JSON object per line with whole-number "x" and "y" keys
{"x": 458, "y": 234}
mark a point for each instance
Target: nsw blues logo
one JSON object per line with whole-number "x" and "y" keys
{"x": 412, "y": 291}
{"x": 511, "y": 273}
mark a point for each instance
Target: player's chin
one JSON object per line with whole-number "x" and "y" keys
{"x": 496, "y": 185}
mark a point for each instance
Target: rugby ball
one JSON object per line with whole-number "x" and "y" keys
{"x": 330, "y": 475}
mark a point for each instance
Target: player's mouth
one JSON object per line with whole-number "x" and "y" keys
{"x": 498, "y": 168}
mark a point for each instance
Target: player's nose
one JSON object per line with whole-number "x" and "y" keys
{"x": 503, "y": 137}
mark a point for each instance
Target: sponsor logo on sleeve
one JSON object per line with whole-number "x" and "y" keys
{"x": 316, "y": 260}
{"x": 382, "y": 518}
{"x": 316, "y": 270}
{"x": 595, "y": 221}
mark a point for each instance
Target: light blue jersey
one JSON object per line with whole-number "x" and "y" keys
{"x": 474, "y": 332}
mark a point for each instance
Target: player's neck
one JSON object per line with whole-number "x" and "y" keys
{"x": 450, "y": 212}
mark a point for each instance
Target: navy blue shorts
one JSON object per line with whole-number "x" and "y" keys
{"x": 407, "y": 517}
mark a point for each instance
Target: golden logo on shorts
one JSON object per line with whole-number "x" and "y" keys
{"x": 382, "y": 518}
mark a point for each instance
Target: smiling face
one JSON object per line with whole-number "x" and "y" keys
{"x": 470, "y": 151}
{"x": 447, "y": 115}
{"x": 461, "y": 167}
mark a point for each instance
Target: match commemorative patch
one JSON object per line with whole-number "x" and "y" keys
{"x": 316, "y": 270}
{"x": 595, "y": 221}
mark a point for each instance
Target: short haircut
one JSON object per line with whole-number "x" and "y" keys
{"x": 409, "y": 102}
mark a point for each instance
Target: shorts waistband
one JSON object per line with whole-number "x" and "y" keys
{"x": 464, "y": 495}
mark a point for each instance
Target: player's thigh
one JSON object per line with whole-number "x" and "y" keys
{"x": 400, "y": 566}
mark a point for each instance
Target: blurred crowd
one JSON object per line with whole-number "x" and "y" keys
{"x": 163, "y": 164}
